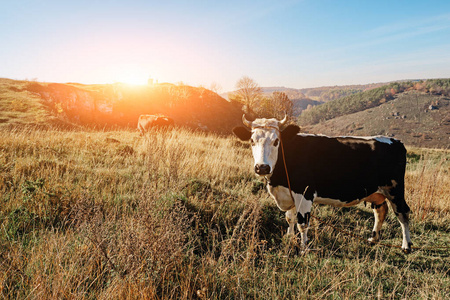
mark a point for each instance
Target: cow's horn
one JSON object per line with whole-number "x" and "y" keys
{"x": 246, "y": 122}
{"x": 282, "y": 122}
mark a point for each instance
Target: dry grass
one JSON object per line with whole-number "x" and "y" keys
{"x": 430, "y": 195}
{"x": 179, "y": 215}
{"x": 19, "y": 107}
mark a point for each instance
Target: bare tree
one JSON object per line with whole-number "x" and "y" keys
{"x": 247, "y": 92}
{"x": 282, "y": 105}
{"x": 215, "y": 87}
{"x": 276, "y": 105}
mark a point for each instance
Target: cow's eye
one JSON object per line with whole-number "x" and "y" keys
{"x": 252, "y": 141}
{"x": 276, "y": 142}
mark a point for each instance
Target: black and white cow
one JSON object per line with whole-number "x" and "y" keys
{"x": 339, "y": 171}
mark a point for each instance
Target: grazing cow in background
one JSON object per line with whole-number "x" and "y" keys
{"x": 147, "y": 121}
{"x": 338, "y": 171}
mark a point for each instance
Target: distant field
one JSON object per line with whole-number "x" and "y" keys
{"x": 179, "y": 215}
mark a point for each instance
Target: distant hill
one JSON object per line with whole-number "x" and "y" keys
{"x": 416, "y": 118}
{"x": 323, "y": 94}
{"x": 74, "y": 104}
{"x": 371, "y": 98}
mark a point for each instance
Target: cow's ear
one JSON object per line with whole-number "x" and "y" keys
{"x": 289, "y": 132}
{"x": 242, "y": 133}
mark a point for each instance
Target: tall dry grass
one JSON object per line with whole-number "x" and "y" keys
{"x": 428, "y": 181}
{"x": 179, "y": 215}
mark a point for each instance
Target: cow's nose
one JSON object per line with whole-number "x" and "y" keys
{"x": 262, "y": 169}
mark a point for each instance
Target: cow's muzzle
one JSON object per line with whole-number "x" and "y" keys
{"x": 262, "y": 169}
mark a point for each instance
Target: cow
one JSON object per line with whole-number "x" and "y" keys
{"x": 302, "y": 169}
{"x": 147, "y": 121}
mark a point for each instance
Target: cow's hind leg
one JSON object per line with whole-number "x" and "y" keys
{"x": 404, "y": 223}
{"x": 401, "y": 210}
{"x": 380, "y": 209}
{"x": 380, "y": 212}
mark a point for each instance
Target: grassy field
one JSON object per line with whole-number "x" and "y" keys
{"x": 179, "y": 215}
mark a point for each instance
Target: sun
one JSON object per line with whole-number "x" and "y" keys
{"x": 133, "y": 79}
{"x": 132, "y": 75}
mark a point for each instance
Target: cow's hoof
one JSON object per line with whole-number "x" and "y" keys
{"x": 372, "y": 241}
{"x": 407, "y": 250}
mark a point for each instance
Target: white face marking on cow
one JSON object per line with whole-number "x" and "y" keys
{"x": 265, "y": 141}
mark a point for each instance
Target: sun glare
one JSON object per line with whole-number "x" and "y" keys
{"x": 132, "y": 75}
{"x": 133, "y": 80}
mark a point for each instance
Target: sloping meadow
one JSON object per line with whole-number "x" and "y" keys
{"x": 179, "y": 215}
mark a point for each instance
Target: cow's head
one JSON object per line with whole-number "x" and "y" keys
{"x": 265, "y": 136}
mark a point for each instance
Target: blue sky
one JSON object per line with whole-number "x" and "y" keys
{"x": 295, "y": 44}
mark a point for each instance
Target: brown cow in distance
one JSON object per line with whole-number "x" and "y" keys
{"x": 145, "y": 122}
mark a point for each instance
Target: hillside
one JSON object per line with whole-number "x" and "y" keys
{"x": 407, "y": 117}
{"x": 20, "y": 107}
{"x": 73, "y": 104}
{"x": 371, "y": 98}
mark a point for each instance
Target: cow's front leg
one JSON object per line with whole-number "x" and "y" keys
{"x": 303, "y": 208}
{"x": 291, "y": 218}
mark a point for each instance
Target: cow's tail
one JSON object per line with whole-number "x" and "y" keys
{"x": 399, "y": 174}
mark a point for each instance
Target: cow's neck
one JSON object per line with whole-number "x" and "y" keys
{"x": 298, "y": 183}
{"x": 279, "y": 173}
